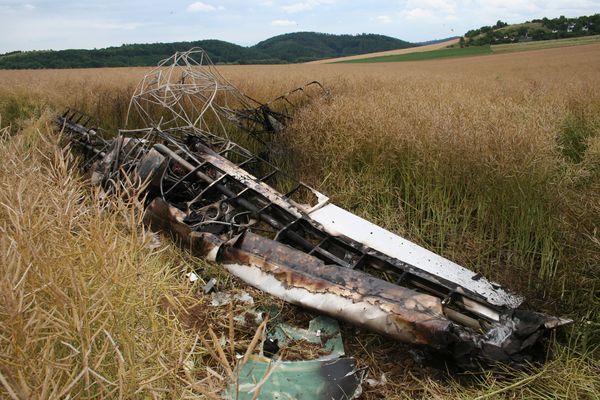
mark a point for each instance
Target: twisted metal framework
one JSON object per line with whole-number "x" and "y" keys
{"x": 232, "y": 205}
{"x": 187, "y": 91}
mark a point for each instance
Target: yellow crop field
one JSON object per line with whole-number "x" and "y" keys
{"x": 493, "y": 162}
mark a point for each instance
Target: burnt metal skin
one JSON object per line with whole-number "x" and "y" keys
{"x": 307, "y": 281}
{"x": 212, "y": 203}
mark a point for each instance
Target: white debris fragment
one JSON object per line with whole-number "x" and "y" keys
{"x": 224, "y": 298}
{"x": 192, "y": 277}
{"x": 376, "y": 382}
{"x": 209, "y": 285}
{"x": 250, "y": 317}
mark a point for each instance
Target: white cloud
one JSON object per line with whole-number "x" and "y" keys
{"x": 383, "y": 19}
{"x": 102, "y": 24}
{"x": 200, "y": 7}
{"x": 298, "y": 7}
{"x": 432, "y": 10}
{"x": 304, "y": 5}
{"x": 442, "y": 6}
{"x": 417, "y": 13}
{"x": 39, "y": 32}
{"x": 14, "y": 8}
{"x": 283, "y": 22}
{"x": 517, "y": 6}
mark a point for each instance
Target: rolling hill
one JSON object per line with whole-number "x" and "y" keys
{"x": 310, "y": 46}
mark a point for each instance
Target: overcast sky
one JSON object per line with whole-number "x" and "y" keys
{"x": 62, "y": 24}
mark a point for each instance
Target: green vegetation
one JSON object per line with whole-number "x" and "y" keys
{"x": 288, "y": 48}
{"x": 537, "y": 29}
{"x": 428, "y": 55}
{"x": 575, "y": 136}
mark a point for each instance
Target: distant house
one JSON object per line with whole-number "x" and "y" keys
{"x": 554, "y": 30}
{"x": 585, "y": 29}
{"x": 570, "y": 27}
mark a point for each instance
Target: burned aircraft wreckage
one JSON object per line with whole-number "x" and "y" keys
{"x": 233, "y": 206}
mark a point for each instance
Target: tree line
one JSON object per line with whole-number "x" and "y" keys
{"x": 288, "y": 48}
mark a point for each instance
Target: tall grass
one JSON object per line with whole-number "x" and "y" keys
{"x": 501, "y": 177}
{"x": 81, "y": 292}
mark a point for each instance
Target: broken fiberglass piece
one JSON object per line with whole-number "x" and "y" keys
{"x": 335, "y": 379}
{"x": 223, "y": 298}
{"x": 331, "y": 377}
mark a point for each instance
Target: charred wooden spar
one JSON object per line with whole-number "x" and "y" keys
{"x": 233, "y": 206}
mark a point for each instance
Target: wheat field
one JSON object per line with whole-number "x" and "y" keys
{"x": 493, "y": 162}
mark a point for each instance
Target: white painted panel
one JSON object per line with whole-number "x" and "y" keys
{"x": 339, "y": 221}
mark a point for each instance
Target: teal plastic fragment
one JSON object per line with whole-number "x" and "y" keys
{"x": 330, "y": 377}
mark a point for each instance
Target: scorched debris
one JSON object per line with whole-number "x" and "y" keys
{"x": 232, "y": 205}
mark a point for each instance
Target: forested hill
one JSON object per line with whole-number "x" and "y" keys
{"x": 129, "y": 55}
{"x": 288, "y": 48}
{"x": 310, "y": 46}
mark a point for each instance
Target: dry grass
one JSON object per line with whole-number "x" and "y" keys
{"x": 491, "y": 161}
{"x": 80, "y": 313}
{"x": 88, "y": 308}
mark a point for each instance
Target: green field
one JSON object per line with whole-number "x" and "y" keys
{"x": 427, "y": 55}
{"x": 479, "y": 50}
